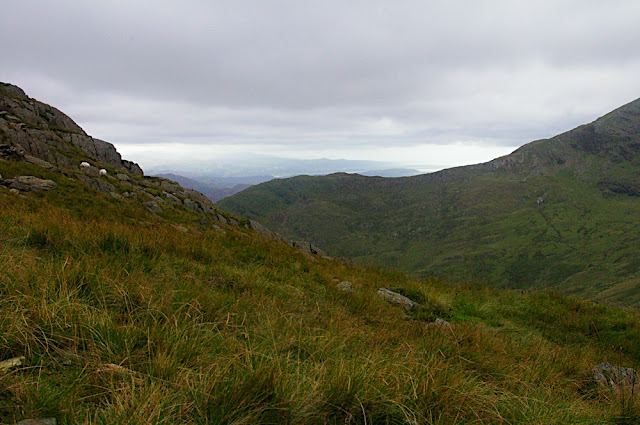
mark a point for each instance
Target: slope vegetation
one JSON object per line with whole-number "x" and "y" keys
{"x": 560, "y": 213}
{"x": 116, "y": 311}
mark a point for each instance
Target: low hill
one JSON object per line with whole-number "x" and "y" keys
{"x": 560, "y": 213}
{"x": 122, "y": 304}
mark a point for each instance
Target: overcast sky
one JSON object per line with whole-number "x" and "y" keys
{"x": 419, "y": 82}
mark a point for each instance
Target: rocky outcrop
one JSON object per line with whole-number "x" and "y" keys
{"x": 102, "y": 151}
{"x": 97, "y": 183}
{"x": 47, "y": 134}
{"x": 307, "y": 247}
{"x": 29, "y": 184}
{"x": 396, "y": 299}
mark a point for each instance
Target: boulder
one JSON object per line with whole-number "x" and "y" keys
{"x": 152, "y": 207}
{"x": 29, "y": 184}
{"x": 397, "y": 299}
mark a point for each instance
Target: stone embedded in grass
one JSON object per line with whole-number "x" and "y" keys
{"x": 397, "y": 299}
{"x": 42, "y": 421}
{"x": 608, "y": 375}
{"x": 439, "y": 323}
{"x": 345, "y": 286}
{"x": 10, "y": 363}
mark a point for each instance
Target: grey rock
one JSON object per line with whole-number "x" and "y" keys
{"x": 152, "y": 207}
{"x": 192, "y": 205}
{"x": 40, "y": 162}
{"x": 233, "y": 221}
{"x": 14, "y": 191}
{"x": 29, "y": 184}
{"x": 397, "y": 299}
{"x": 131, "y": 195}
{"x": 117, "y": 196}
{"x": 91, "y": 171}
{"x": 307, "y": 247}
{"x": 170, "y": 186}
{"x": 263, "y": 230}
{"x": 194, "y": 194}
{"x": 102, "y": 151}
{"x": 41, "y": 421}
{"x": 221, "y": 218}
{"x": 345, "y": 286}
{"x": 171, "y": 197}
{"x": 12, "y": 90}
{"x": 11, "y": 153}
{"x": 98, "y": 184}
{"x": 439, "y": 323}
{"x": 145, "y": 183}
{"x": 608, "y": 375}
{"x": 122, "y": 177}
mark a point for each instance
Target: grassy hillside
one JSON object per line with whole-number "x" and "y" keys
{"x": 559, "y": 213}
{"x": 124, "y": 316}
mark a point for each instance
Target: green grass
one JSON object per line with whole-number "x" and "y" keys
{"x": 224, "y": 326}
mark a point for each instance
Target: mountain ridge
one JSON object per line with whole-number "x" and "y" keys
{"x": 547, "y": 215}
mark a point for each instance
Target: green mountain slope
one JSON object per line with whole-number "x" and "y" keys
{"x": 156, "y": 309}
{"x": 559, "y": 213}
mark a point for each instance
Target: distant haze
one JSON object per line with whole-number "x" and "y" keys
{"x": 411, "y": 83}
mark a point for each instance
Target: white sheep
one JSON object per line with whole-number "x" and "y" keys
{"x": 84, "y": 165}
{"x": 103, "y": 172}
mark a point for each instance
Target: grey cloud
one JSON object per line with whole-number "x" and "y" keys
{"x": 332, "y": 73}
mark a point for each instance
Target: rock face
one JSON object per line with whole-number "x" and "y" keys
{"x": 29, "y": 184}
{"x": 397, "y": 299}
{"x": 102, "y": 151}
{"x": 37, "y": 129}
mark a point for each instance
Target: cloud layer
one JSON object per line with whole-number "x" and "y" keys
{"x": 328, "y": 76}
